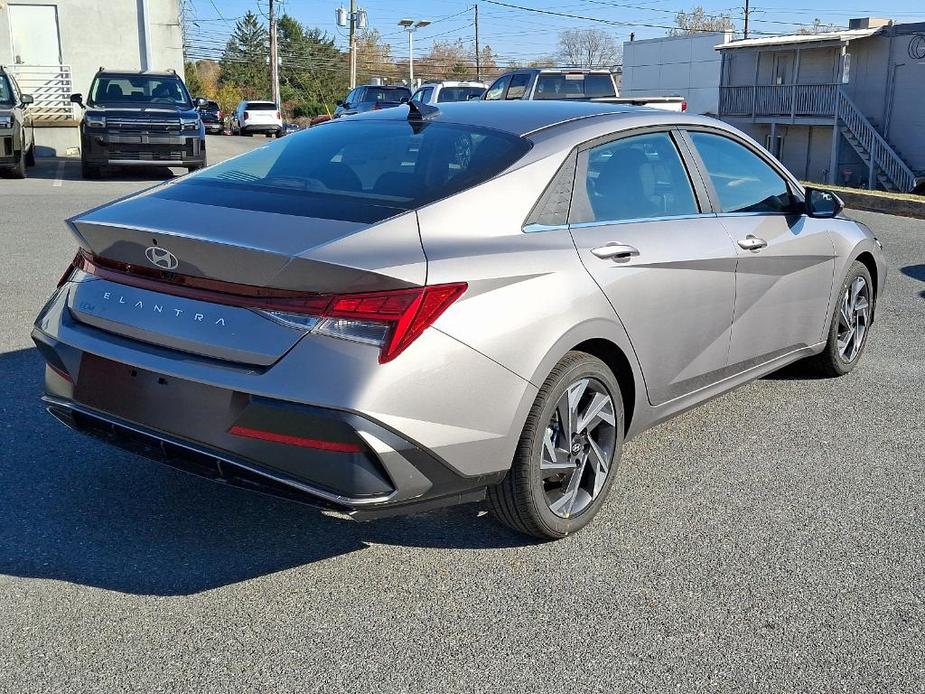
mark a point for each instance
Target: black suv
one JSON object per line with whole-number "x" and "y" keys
{"x": 17, "y": 146}
{"x": 372, "y": 97}
{"x": 139, "y": 119}
{"x": 212, "y": 116}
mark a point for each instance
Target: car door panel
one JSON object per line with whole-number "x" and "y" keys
{"x": 782, "y": 290}
{"x": 674, "y": 290}
{"x": 786, "y": 259}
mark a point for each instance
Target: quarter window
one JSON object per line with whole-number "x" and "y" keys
{"x": 638, "y": 177}
{"x": 518, "y": 86}
{"x": 743, "y": 181}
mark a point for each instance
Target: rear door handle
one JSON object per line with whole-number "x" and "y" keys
{"x": 614, "y": 251}
{"x": 752, "y": 243}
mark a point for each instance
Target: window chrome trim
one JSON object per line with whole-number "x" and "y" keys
{"x": 537, "y": 228}
{"x": 640, "y": 220}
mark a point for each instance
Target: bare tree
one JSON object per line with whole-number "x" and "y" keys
{"x": 697, "y": 21}
{"x": 588, "y": 48}
{"x": 817, "y": 27}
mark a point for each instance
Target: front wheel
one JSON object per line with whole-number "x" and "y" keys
{"x": 89, "y": 171}
{"x": 19, "y": 170}
{"x": 849, "y": 326}
{"x": 565, "y": 461}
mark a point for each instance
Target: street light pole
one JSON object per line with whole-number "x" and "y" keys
{"x": 412, "y": 25}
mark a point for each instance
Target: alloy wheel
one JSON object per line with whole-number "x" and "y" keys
{"x": 578, "y": 447}
{"x": 853, "y": 319}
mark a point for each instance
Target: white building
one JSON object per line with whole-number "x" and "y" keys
{"x": 687, "y": 66}
{"x": 54, "y": 47}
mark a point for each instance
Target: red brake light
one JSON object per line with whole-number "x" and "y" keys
{"x": 409, "y": 312}
{"x": 278, "y": 116}
{"x": 683, "y": 106}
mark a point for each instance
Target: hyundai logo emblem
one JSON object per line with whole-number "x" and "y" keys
{"x": 161, "y": 257}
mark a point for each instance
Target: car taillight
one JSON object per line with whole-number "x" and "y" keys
{"x": 219, "y": 115}
{"x": 392, "y": 320}
{"x": 278, "y": 116}
{"x": 683, "y": 106}
{"x": 246, "y": 115}
{"x": 70, "y": 270}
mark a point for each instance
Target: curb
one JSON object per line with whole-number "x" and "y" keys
{"x": 880, "y": 203}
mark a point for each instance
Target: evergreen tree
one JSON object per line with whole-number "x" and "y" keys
{"x": 244, "y": 62}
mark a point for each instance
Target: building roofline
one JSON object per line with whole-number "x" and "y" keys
{"x": 789, "y": 39}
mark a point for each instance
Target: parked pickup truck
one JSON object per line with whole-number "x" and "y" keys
{"x": 572, "y": 84}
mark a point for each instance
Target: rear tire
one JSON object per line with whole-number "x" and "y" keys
{"x": 562, "y": 471}
{"x": 849, "y": 325}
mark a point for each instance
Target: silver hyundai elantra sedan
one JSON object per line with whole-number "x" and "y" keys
{"x": 421, "y": 307}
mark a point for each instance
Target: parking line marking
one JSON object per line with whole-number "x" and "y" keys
{"x": 59, "y": 180}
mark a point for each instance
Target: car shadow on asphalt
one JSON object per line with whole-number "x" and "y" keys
{"x": 52, "y": 169}
{"x": 73, "y": 509}
{"x": 916, "y": 272}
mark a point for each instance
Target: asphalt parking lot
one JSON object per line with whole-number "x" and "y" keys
{"x": 772, "y": 540}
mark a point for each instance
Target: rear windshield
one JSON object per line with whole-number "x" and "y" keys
{"x": 138, "y": 89}
{"x": 260, "y": 106}
{"x": 355, "y": 170}
{"x": 387, "y": 94}
{"x": 6, "y": 93}
{"x": 574, "y": 86}
{"x": 459, "y": 93}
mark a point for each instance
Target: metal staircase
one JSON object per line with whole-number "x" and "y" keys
{"x": 883, "y": 161}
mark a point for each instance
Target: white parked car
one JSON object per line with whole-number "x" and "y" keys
{"x": 442, "y": 92}
{"x": 257, "y": 117}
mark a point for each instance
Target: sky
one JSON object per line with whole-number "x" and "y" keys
{"x": 520, "y": 35}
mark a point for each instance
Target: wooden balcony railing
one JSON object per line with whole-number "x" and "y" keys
{"x": 784, "y": 100}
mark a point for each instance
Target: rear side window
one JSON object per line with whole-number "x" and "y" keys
{"x": 743, "y": 181}
{"x": 518, "y": 86}
{"x": 357, "y": 170}
{"x": 383, "y": 94}
{"x": 574, "y": 86}
{"x": 640, "y": 177}
{"x": 459, "y": 93}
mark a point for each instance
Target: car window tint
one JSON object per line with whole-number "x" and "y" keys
{"x": 6, "y": 91}
{"x": 497, "y": 89}
{"x": 518, "y": 86}
{"x": 459, "y": 93}
{"x": 573, "y": 86}
{"x": 636, "y": 178}
{"x": 743, "y": 181}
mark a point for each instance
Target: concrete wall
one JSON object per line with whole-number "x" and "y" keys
{"x": 106, "y": 33}
{"x": 684, "y": 65}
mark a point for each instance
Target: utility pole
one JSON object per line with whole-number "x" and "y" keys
{"x": 274, "y": 56}
{"x": 478, "y": 56}
{"x": 353, "y": 43}
{"x": 745, "y": 33}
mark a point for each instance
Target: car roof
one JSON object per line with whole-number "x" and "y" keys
{"x": 516, "y": 117}
{"x": 147, "y": 73}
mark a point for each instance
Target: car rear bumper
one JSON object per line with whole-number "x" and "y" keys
{"x": 401, "y": 442}
{"x": 261, "y": 128}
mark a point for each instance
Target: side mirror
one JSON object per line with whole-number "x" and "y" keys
{"x": 823, "y": 203}
{"x": 77, "y": 99}
{"x": 473, "y": 97}
{"x": 27, "y": 99}
{"x": 200, "y": 102}
{"x": 341, "y": 103}
{"x": 403, "y": 100}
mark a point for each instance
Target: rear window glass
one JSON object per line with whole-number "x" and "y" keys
{"x": 459, "y": 93}
{"x": 355, "y": 170}
{"x": 575, "y": 86}
{"x": 260, "y": 106}
{"x": 389, "y": 94}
